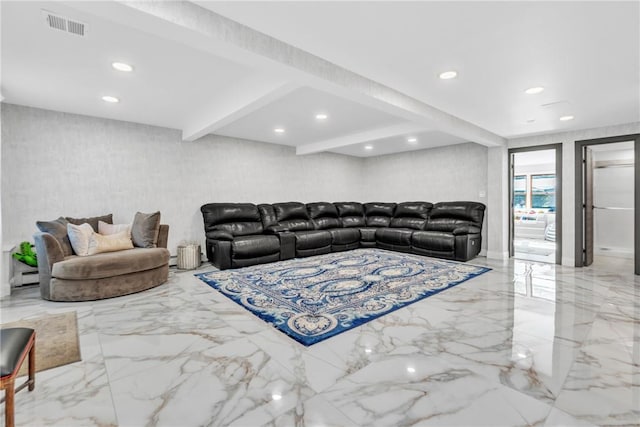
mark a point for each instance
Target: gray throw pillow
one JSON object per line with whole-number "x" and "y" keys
{"x": 92, "y": 221}
{"x": 145, "y": 230}
{"x": 58, "y": 229}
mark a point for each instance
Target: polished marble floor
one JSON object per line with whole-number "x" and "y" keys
{"x": 525, "y": 344}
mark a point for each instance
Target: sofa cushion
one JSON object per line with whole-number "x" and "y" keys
{"x": 324, "y": 215}
{"x": 110, "y": 264}
{"x": 411, "y": 215}
{"x": 79, "y": 236}
{"x": 58, "y": 229}
{"x": 145, "y": 229}
{"x": 394, "y": 236}
{"x": 379, "y": 214}
{"x": 92, "y": 221}
{"x": 447, "y": 216}
{"x": 254, "y": 246}
{"x": 351, "y": 214}
{"x": 268, "y": 215}
{"x": 344, "y": 236}
{"x": 111, "y": 243}
{"x": 238, "y": 219}
{"x": 433, "y": 240}
{"x": 447, "y": 224}
{"x": 293, "y": 216}
{"x": 107, "y": 229}
{"x": 312, "y": 239}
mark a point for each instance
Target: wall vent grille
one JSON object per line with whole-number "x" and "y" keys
{"x": 60, "y": 23}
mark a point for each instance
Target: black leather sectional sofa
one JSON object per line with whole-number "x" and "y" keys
{"x": 243, "y": 234}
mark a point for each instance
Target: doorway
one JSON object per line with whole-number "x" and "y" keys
{"x": 535, "y": 203}
{"x": 607, "y": 197}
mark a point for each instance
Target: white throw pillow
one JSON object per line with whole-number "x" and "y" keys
{"x": 79, "y": 236}
{"x": 107, "y": 229}
{"x": 111, "y": 243}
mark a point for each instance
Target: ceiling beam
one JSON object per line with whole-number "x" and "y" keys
{"x": 203, "y": 29}
{"x": 359, "y": 138}
{"x": 237, "y": 101}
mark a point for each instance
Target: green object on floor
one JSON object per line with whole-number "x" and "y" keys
{"x": 27, "y": 254}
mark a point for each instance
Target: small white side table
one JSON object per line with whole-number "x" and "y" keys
{"x": 189, "y": 257}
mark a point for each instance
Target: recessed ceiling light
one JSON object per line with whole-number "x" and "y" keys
{"x": 121, "y": 66}
{"x": 276, "y": 396}
{"x": 367, "y": 350}
{"x": 321, "y": 116}
{"x": 448, "y": 75}
{"x": 534, "y": 90}
{"x": 368, "y": 147}
{"x": 566, "y": 118}
{"x": 412, "y": 139}
{"x": 108, "y": 98}
{"x": 411, "y": 370}
{"x": 279, "y": 130}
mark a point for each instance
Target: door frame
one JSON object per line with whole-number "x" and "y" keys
{"x": 579, "y": 194}
{"x": 558, "y": 148}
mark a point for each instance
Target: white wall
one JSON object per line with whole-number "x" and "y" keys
{"x": 568, "y": 140}
{"x": 57, "y": 164}
{"x": 457, "y": 172}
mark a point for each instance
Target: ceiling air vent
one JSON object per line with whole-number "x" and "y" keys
{"x": 61, "y": 23}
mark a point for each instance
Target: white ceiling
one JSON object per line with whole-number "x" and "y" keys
{"x": 50, "y": 69}
{"x": 587, "y": 54}
{"x": 296, "y": 112}
{"x": 584, "y": 52}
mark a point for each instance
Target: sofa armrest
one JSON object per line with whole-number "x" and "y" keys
{"x": 163, "y": 236}
{"x": 220, "y": 235}
{"x": 276, "y": 229}
{"x": 49, "y": 252}
{"x": 466, "y": 229}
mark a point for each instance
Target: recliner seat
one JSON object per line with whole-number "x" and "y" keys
{"x": 453, "y": 231}
{"x": 293, "y": 216}
{"x": 242, "y": 234}
{"x": 407, "y": 217}
{"x": 325, "y": 216}
{"x": 235, "y": 236}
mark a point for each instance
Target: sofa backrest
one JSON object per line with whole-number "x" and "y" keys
{"x": 293, "y": 216}
{"x": 323, "y": 215}
{"x": 268, "y": 215}
{"x": 378, "y": 214}
{"x": 351, "y": 214}
{"x": 239, "y": 219}
{"x": 411, "y": 215}
{"x": 447, "y": 216}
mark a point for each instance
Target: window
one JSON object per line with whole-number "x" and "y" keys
{"x": 520, "y": 191}
{"x": 543, "y": 192}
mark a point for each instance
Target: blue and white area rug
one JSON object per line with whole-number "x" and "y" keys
{"x": 312, "y": 299}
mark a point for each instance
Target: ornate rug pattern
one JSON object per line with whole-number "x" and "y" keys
{"x": 312, "y": 299}
{"x": 57, "y": 340}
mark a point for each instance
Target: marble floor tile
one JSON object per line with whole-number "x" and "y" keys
{"x": 524, "y": 344}
{"x": 314, "y": 412}
{"x": 232, "y": 383}
{"x": 411, "y": 389}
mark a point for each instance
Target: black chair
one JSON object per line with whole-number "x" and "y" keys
{"x": 15, "y": 345}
